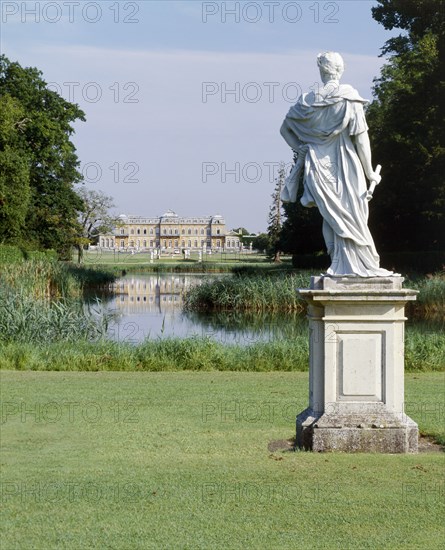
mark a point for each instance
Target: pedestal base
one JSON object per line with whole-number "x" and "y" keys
{"x": 356, "y": 371}
{"x": 364, "y": 433}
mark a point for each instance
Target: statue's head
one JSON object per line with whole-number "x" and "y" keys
{"x": 331, "y": 66}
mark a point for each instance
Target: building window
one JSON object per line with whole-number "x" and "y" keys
{"x": 165, "y": 244}
{"x": 169, "y": 231}
{"x": 196, "y": 231}
{"x": 190, "y": 244}
{"x": 138, "y": 231}
{"x": 196, "y": 244}
{"x": 218, "y": 231}
{"x": 151, "y": 244}
{"x": 145, "y": 244}
{"x": 202, "y": 231}
{"x": 151, "y": 231}
{"x": 176, "y": 244}
{"x": 189, "y": 231}
{"x": 182, "y": 243}
{"x": 164, "y": 232}
{"x": 183, "y": 231}
{"x": 132, "y": 232}
{"x": 218, "y": 244}
{"x": 122, "y": 244}
{"x": 145, "y": 231}
{"x": 122, "y": 231}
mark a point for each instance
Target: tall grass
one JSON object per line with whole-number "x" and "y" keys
{"x": 40, "y": 279}
{"x": 24, "y": 319}
{"x": 431, "y": 297}
{"x": 170, "y": 354}
{"x": 424, "y": 352}
{"x": 254, "y": 293}
{"x": 51, "y": 279}
{"x": 269, "y": 292}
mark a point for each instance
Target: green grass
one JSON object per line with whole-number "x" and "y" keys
{"x": 424, "y": 351}
{"x": 169, "y": 354}
{"x": 215, "y": 263}
{"x": 181, "y": 461}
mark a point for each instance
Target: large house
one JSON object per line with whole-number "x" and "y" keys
{"x": 171, "y": 233}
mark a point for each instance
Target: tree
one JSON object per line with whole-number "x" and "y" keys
{"x": 242, "y": 232}
{"x": 276, "y": 216}
{"x": 94, "y": 218}
{"x": 261, "y": 242}
{"x": 14, "y": 171}
{"x": 43, "y": 141}
{"x": 406, "y": 128}
{"x": 301, "y": 231}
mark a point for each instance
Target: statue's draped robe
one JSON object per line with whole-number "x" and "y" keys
{"x": 333, "y": 174}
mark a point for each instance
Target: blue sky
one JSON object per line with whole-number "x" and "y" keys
{"x": 184, "y": 100}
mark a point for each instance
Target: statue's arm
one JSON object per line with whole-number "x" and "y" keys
{"x": 363, "y": 148}
{"x": 289, "y": 136}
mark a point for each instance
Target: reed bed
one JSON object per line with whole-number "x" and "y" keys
{"x": 40, "y": 279}
{"x": 44, "y": 279}
{"x": 248, "y": 293}
{"x": 24, "y": 319}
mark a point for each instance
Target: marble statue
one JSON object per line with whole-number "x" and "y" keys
{"x": 328, "y": 132}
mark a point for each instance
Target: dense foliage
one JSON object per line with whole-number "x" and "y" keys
{"x": 38, "y": 161}
{"x": 407, "y": 125}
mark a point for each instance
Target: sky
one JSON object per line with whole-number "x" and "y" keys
{"x": 184, "y": 99}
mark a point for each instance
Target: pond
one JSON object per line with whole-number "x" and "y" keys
{"x": 149, "y": 305}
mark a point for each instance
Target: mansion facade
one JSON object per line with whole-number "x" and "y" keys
{"x": 171, "y": 233}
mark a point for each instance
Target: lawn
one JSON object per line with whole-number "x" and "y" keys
{"x": 107, "y": 257}
{"x": 190, "y": 460}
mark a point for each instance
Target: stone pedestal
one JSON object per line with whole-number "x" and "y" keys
{"x": 356, "y": 382}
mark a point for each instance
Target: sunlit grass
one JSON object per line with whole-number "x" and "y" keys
{"x": 184, "y": 460}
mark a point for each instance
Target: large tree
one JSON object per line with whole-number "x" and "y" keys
{"x": 43, "y": 141}
{"x": 406, "y": 127}
{"x": 14, "y": 171}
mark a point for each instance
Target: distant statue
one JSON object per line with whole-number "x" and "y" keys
{"x": 328, "y": 132}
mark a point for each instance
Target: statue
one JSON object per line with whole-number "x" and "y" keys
{"x": 328, "y": 132}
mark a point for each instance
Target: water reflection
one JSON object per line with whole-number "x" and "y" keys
{"x": 150, "y": 306}
{"x": 151, "y": 293}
